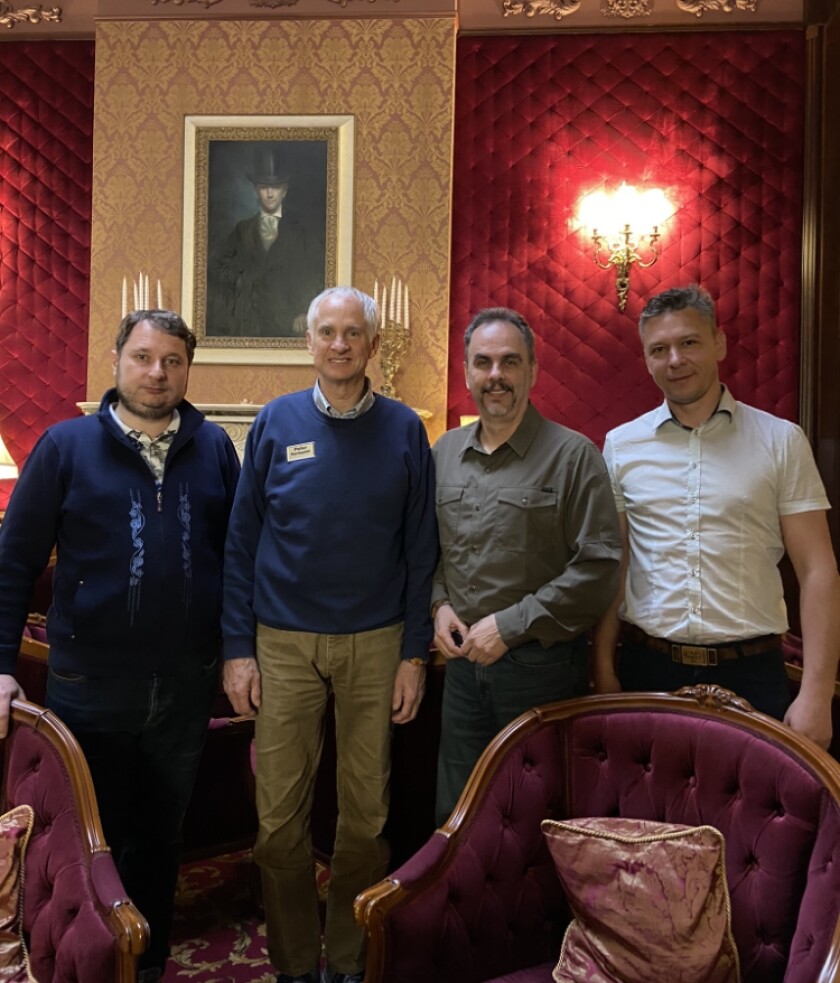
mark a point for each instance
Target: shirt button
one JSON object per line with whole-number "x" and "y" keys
{"x": 487, "y": 470}
{"x": 472, "y": 588}
{"x": 524, "y": 501}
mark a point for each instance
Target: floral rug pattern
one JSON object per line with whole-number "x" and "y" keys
{"x": 219, "y": 933}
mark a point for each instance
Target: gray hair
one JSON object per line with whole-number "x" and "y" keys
{"x": 680, "y": 299}
{"x": 490, "y": 314}
{"x": 167, "y": 321}
{"x": 372, "y": 316}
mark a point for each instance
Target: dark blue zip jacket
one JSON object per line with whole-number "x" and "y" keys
{"x": 138, "y": 577}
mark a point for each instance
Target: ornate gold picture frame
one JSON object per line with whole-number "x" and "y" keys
{"x": 268, "y": 223}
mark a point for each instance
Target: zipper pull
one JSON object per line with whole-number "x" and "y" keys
{"x": 159, "y": 495}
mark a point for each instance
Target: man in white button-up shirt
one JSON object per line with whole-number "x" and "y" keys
{"x": 710, "y": 494}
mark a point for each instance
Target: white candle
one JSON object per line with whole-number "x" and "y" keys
{"x": 391, "y": 312}
{"x": 406, "y": 309}
{"x": 384, "y": 308}
{"x": 124, "y": 307}
{"x": 136, "y": 296}
{"x": 376, "y": 291}
{"x": 146, "y": 292}
{"x": 159, "y": 297}
{"x": 398, "y": 302}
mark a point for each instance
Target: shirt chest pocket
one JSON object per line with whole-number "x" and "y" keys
{"x": 526, "y": 519}
{"x": 448, "y": 500}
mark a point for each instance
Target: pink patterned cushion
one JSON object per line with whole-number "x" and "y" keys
{"x": 15, "y": 827}
{"x": 650, "y": 901}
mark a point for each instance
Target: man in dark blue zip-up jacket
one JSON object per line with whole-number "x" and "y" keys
{"x": 135, "y": 501}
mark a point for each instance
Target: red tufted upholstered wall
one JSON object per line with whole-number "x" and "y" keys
{"x": 46, "y": 144}
{"x": 714, "y": 118}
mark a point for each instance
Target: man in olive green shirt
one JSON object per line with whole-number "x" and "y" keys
{"x": 530, "y": 552}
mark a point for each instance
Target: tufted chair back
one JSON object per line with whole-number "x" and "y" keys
{"x": 80, "y": 926}
{"x": 481, "y": 900}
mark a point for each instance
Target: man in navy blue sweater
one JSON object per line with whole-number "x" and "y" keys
{"x": 136, "y": 501}
{"x": 328, "y": 571}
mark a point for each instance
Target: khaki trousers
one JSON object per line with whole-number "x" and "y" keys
{"x": 298, "y": 671}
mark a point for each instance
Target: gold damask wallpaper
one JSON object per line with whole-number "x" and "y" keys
{"x": 396, "y": 77}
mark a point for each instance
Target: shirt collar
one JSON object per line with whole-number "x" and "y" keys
{"x": 364, "y": 404}
{"x": 662, "y": 414}
{"x": 174, "y": 424}
{"x": 519, "y": 441}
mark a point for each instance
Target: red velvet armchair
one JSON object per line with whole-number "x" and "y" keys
{"x": 80, "y": 925}
{"x": 481, "y": 900}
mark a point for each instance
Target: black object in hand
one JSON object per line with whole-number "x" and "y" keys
{"x": 457, "y": 638}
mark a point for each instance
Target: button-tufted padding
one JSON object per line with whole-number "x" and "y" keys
{"x": 80, "y": 925}
{"x": 481, "y": 899}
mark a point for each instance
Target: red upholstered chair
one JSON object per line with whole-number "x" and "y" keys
{"x": 481, "y": 900}
{"x": 79, "y": 923}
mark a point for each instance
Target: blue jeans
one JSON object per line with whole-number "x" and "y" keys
{"x": 760, "y": 679}
{"x": 478, "y": 701}
{"x": 143, "y": 740}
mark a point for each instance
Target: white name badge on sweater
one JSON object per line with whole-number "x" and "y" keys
{"x": 299, "y": 452}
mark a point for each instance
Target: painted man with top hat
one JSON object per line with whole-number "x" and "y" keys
{"x": 265, "y": 272}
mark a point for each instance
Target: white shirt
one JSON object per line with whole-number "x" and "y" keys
{"x": 702, "y": 509}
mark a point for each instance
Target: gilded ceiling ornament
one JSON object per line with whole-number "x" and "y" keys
{"x": 627, "y": 8}
{"x": 34, "y": 15}
{"x": 700, "y": 7}
{"x": 557, "y": 8}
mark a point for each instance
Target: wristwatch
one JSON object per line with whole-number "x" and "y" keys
{"x": 437, "y": 605}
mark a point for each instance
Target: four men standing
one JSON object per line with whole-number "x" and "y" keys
{"x": 330, "y": 577}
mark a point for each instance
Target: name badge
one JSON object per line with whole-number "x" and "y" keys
{"x": 300, "y": 452}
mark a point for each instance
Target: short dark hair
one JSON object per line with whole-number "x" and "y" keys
{"x": 167, "y": 321}
{"x": 680, "y": 299}
{"x": 490, "y": 314}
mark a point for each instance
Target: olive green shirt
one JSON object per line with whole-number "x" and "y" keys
{"x": 528, "y": 533}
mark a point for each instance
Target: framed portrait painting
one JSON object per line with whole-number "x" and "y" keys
{"x": 268, "y": 214}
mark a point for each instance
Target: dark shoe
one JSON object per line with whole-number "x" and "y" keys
{"x": 332, "y": 977}
{"x": 150, "y": 975}
{"x": 306, "y": 978}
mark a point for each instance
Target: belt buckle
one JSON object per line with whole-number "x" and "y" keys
{"x": 694, "y": 655}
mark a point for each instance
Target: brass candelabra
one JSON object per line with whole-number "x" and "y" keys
{"x": 394, "y": 337}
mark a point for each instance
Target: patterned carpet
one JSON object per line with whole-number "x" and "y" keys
{"x": 219, "y": 934}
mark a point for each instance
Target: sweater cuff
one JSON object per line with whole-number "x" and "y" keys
{"x": 239, "y": 647}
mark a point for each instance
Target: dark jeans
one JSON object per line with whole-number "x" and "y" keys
{"x": 478, "y": 701}
{"x": 143, "y": 740}
{"x": 760, "y": 679}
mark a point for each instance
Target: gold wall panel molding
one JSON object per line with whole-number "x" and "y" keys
{"x": 395, "y": 77}
{"x": 627, "y": 8}
{"x": 558, "y": 9}
{"x": 700, "y": 7}
{"x": 9, "y": 15}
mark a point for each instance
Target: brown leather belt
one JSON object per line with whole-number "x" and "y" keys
{"x": 703, "y": 655}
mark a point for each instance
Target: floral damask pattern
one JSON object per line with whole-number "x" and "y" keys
{"x": 396, "y": 77}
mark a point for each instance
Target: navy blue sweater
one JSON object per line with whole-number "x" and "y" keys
{"x": 333, "y": 528}
{"x": 138, "y": 576}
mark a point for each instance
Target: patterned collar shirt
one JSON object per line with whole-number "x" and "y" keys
{"x": 362, "y": 406}
{"x": 703, "y": 508}
{"x": 153, "y": 450}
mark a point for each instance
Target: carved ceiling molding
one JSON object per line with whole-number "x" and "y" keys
{"x": 558, "y": 9}
{"x": 627, "y": 8}
{"x": 700, "y": 7}
{"x": 343, "y": 3}
{"x": 273, "y": 4}
{"x": 205, "y": 4}
{"x": 29, "y": 15}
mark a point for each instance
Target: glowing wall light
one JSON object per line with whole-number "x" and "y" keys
{"x": 624, "y": 226}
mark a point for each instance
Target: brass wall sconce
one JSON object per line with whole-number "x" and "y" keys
{"x": 395, "y": 338}
{"x": 624, "y": 226}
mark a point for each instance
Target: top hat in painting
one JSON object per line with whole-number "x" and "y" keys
{"x": 268, "y": 167}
